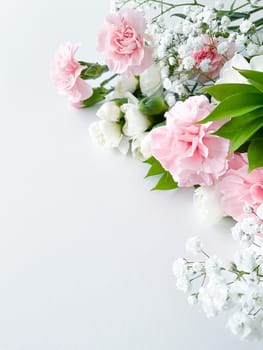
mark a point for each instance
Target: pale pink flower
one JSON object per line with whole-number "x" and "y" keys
{"x": 238, "y": 186}
{"x": 124, "y": 42}
{"x": 66, "y": 74}
{"x": 188, "y": 150}
{"x": 216, "y": 60}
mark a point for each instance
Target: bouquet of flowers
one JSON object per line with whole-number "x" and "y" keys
{"x": 183, "y": 92}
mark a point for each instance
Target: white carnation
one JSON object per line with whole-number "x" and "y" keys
{"x": 109, "y": 111}
{"x": 106, "y": 134}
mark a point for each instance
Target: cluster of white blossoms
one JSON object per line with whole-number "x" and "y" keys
{"x": 236, "y": 286}
{"x": 193, "y": 42}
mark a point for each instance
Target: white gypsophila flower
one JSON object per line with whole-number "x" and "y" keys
{"x": 194, "y": 245}
{"x": 181, "y": 274}
{"x": 252, "y": 49}
{"x": 141, "y": 147}
{"x": 259, "y": 211}
{"x": 248, "y": 209}
{"x": 167, "y": 84}
{"x": 179, "y": 89}
{"x": 208, "y": 16}
{"x": 109, "y": 111}
{"x": 223, "y": 47}
{"x": 219, "y": 4}
{"x": 192, "y": 299}
{"x": 225, "y": 21}
{"x": 205, "y": 65}
{"x": 135, "y": 122}
{"x": 207, "y": 204}
{"x": 240, "y": 324}
{"x": 250, "y": 225}
{"x": 197, "y": 267}
{"x": 151, "y": 81}
{"x": 213, "y": 297}
{"x": 240, "y": 42}
{"x": 213, "y": 266}
{"x": 245, "y": 25}
{"x": 172, "y": 61}
{"x": 106, "y": 134}
{"x": 170, "y": 99}
{"x": 188, "y": 62}
{"x": 246, "y": 260}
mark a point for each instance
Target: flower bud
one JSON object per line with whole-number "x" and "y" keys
{"x": 135, "y": 121}
{"x": 151, "y": 81}
{"x": 153, "y": 105}
{"x": 109, "y": 111}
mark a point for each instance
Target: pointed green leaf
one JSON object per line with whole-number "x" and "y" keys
{"x": 235, "y": 106}
{"x": 150, "y": 161}
{"x": 254, "y": 77}
{"x": 222, "y": 91}
{"x": 166, "y": 183}
{"x": 255, "y": 151}
{"x": 156, "y": 169}
{"x": 240, "y": 130}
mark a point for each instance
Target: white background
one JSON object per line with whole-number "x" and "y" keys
{"x": 86, "y": 250}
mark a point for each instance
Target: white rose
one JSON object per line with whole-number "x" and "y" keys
{"x": 230, "y": 75}
{"x": 135, "y": 122}
{"x": 207, "y": 204}
{"x": 141, "y": 147}
{"x": 151, "y": 81}
{"x": 109, "y": 111}
{"x": 106, "y": 134}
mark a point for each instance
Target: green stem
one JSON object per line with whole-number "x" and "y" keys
{"x": 105, "y": 82}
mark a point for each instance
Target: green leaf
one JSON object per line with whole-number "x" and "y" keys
{"x": 235, "y": 106}
{"x": 255, "y": 159}
{"x": 222, "y": 91}
{"x": 254, "y": 77}
{"x": 92, "y": 70}
{"x": 166, "y": 183}
{"x": 240, "y": 130}
{"x": 150, "y": 161}
{"x": 98, "y": 95}
{"x": 155, "y": 169}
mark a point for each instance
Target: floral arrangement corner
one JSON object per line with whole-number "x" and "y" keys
{"x": 183, "y": 93}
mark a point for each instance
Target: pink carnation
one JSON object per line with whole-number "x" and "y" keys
{"x": 123, "y": 41}
{"x": 217, "y": 60}
{"x": 66, "y": 75}
{"x": 188, "y": 150}
{"x": 238, "y": 186}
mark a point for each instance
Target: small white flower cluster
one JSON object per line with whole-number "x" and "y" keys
{"x": 123, "y": 126}
{"x": 236, "y": 287}
{"x": 182, "y": 47}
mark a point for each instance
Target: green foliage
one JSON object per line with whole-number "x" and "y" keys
{"x": 166, "y": 181}
{"x": 242, "y": 106}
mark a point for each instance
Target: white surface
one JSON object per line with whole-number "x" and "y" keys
{"x": 86, "y": 250}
